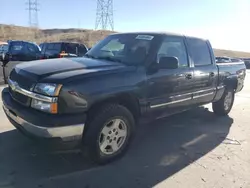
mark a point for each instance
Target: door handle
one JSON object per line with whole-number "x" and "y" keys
{"x": 212, "y": 74}
{"x": 188, "y": 76}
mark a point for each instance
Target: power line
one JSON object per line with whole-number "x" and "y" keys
{"x": 104, "y": 15}
{"x": 33, "y": 12}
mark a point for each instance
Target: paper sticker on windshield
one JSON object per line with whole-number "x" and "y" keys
{"x": 145, "y": 37}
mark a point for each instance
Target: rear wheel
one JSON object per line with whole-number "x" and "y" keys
{"x": 109, "y": 133}
{"x": 225, "y": 104}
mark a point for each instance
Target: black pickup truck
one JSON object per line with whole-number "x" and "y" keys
{"x": 98, "y": 99}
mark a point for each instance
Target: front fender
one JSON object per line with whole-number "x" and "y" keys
{"x": 79, "y": 96}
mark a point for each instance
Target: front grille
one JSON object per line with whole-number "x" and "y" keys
{"x": 20, "y": 98}
{"x": 23, "y": 82}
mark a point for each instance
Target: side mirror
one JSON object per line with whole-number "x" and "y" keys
{"x": 168, "y": 63}
{"x": 5, "y": 59}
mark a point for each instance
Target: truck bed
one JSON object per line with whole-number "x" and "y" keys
{"x": 233, "y": 69}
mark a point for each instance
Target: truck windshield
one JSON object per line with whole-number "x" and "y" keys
{"x": 125, "y": 48}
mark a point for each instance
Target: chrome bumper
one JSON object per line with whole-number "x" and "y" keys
{"x": 66, "y": 133}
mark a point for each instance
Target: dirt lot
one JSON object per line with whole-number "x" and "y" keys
{"x": 194, "y": 149}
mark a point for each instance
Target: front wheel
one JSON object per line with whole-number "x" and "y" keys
{"x": 225, "y": 104}
{"x": 109, "y": 133}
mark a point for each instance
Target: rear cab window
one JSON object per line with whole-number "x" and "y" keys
{"x": 200, "y": 51}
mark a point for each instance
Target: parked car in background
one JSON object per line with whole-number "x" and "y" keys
{"x": 247, "y": 62}
{"x": 222, "y": 59}
{"x": 51, "y": 50}
{"x": 236, "y": 60}
{"x": 96, "y": 100}
{"x": 18, "y": 51}
{"x": 225, "y": 59}
{"x": 3, "y": 48}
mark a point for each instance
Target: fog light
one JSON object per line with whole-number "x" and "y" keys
{"x": 44, "y": 106}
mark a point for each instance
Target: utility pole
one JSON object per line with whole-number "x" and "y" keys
{"x": 104, "y": 15}
{"x": 33, "y": 13}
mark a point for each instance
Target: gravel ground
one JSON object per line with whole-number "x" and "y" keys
{"x": 190, "y": 150}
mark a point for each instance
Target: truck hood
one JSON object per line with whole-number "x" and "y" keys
{"x": 64, "y": 68}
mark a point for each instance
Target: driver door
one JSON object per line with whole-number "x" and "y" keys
{"x": 170, "y": 90}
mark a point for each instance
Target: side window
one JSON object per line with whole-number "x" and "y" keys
{"x": 52, "y": 48}
{"x": 31, "y": 48}
{"x": 174, "y": 47}
{"x": 199, "y": 51}
{"x": 82, "y": 50}
{"x": 16, "y": 47}
{"x": 71, "y": 48}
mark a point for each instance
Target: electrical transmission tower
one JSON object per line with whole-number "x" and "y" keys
{"x": 33, "y": 13}
{"x": 104, "y": 15}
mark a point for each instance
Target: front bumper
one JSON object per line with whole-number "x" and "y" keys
{"x": 39, "y": 124}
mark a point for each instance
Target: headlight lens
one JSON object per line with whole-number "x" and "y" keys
{"x": 44, "y": 106}
{"x": 48, "y": 89}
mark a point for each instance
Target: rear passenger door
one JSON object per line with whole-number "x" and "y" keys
{"x": 205, "y": 71}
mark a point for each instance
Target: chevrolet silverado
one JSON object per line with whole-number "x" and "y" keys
{"x": 98, "y": 99}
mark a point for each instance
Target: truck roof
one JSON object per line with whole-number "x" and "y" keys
{"x": 159, "y": 33}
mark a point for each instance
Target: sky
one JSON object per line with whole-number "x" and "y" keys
{"x": 224, "y": 22}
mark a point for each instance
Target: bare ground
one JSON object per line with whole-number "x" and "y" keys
{"x": 190, "y": 150}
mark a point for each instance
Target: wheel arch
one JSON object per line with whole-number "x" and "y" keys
{"x": 231, "y": 82}
{"x": 128, "y": 100}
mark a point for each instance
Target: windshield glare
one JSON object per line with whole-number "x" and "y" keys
{"x": 128, "y": 49}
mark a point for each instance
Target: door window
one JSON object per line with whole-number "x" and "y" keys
{"x": 200, "y": 51}
{"x": 71, "y": 48}
{"x": 174, "y": 47}
{"x": 52, "y": 48}
{"x": 82, "y": 50}
{"x": 16, "y": 47}
{"x": 31, "y": 48}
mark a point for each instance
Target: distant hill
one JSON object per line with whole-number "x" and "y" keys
{"x": 88, "y": 37}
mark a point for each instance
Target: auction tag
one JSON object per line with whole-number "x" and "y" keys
{"x": 145, "y": 37}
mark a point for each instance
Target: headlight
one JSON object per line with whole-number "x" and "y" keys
{"x": 48, "y": 89}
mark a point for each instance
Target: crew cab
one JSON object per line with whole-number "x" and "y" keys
{"x": 98, "y": 99}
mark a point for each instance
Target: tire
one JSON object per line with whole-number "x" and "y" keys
{"x": 112, "y": 115}
{"x": 225, "y": 104}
